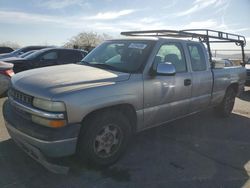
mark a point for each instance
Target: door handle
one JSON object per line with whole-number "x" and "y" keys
{"x": 187, "y": 82}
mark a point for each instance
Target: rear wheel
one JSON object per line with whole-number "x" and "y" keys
{"x": 226, "y": 106}
{"x": 104, "y": 139}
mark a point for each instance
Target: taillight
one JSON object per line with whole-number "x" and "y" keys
{"x": 8, "y": 72}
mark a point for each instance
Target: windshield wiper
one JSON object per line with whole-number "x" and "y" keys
{"x": 103, "y": 65}
{"x": 99, "y": 65}
{"x": 84, "y": 62}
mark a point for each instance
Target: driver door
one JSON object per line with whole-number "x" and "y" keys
{"x": 167, "y": 97}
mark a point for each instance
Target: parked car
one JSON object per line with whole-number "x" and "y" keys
{"x": 20, "y": 51}
{"x": 248, "y": 72}
{"x": 46, "y": 57}
{"x": 27, "y": 53}
{"x": 121, "y": 87}
{"x": 6, "y": 73}
{"x": 4, "y": 49}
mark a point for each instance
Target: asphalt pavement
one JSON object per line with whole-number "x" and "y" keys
{"x": 198, "y": 151}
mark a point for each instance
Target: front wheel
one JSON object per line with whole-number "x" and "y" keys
{"x": 105, "y": 138}
{"x": 226, "y": 106}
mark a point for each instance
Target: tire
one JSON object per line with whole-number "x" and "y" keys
{"x": 104, "y": 139}
{"x": 226, "y": 106}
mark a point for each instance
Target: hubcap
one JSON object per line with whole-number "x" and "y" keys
{"x": 107, "y": 141}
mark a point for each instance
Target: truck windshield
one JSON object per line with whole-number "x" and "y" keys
{"x": 123, "y": 56}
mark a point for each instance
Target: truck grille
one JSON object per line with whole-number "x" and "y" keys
{"x": 20, "y": 97}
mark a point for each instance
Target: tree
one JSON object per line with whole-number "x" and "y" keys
{"x": 86, "y": 40}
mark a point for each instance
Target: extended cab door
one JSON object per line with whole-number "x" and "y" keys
{"x": 202, "y": 78}
{"x": 167, "y": 97}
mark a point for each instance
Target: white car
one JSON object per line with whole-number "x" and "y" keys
{"x": 6, "y": 73}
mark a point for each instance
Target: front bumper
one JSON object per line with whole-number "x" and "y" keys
{"x": 41, "y": 143}
{"x": 58, "y": 148}
{"x": 33, "y": 151}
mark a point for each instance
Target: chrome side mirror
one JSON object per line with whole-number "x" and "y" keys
{"x": 166, "y": 68}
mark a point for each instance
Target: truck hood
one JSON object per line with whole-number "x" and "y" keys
{"x": 56, "y": 80}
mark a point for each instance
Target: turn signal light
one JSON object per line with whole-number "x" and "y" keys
{"x": 8, "y": 72}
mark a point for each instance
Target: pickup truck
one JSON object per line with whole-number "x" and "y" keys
{"x": 123, "y": 86}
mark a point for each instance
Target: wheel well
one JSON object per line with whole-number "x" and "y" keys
{"x": 235, "y": 87}
{"x": 126, "y": 109}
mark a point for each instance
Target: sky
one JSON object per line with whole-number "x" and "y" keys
{"x": 54, "y": 22}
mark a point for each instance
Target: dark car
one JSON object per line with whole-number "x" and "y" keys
{"x": 4, "y": 49}
{"x": 46, "y": 57}
{"x": 27, "y": 53}
{"x": 21, "y": 51}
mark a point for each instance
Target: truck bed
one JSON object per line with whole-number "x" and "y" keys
{"x": 223, "y": 77}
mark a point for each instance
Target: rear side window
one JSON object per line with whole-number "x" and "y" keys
{"x": 198, "y": 61}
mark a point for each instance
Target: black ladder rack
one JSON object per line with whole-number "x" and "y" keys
{"x": 204, "y": 35}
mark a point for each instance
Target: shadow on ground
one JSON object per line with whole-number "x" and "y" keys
{"x": 198, "y": 151}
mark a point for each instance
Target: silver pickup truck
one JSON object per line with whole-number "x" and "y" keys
{"x": 123, "y": 86}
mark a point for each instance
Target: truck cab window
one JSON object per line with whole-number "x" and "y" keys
{"x": 198, "y": 61}
{"x": 173, "y": 53}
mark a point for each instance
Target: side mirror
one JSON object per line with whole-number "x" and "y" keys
{"x": 167, "y": 69}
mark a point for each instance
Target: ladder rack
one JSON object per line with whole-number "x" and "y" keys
{"x": 204, "y": 35}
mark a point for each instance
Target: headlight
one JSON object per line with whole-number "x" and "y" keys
{"x": 49, "y": 105}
